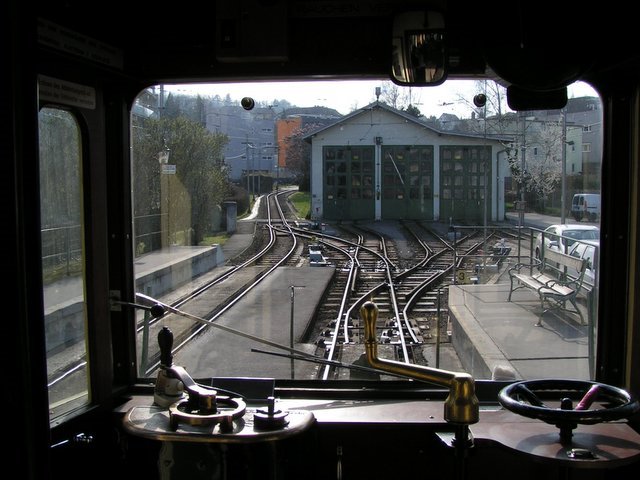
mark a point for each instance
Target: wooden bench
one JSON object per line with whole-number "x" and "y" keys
{"x": 557, "y": 279}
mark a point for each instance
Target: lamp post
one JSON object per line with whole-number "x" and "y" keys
{"x": 291, "y": 324}
{"x": 165, "y": 218}
{"x": 248, "y": 146}
{"x": 563, "y": 180}
{"x": 291, "y": 328}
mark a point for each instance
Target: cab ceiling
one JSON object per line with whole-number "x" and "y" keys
{"x": 530, "y": 44}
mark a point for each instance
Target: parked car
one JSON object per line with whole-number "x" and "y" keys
{"x": 586, "y": 205}
{"x": 590, "y": 251}
{"x": 562, "y": 237}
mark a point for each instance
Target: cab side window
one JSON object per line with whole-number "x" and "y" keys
{"x": 63, "y": 259}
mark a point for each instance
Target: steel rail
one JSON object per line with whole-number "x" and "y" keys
{"x": 211, "y": 320}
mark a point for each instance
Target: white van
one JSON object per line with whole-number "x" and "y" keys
{"x": 586, "y": 205}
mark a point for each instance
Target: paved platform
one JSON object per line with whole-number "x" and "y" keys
{"x": 490, "y": 332}
{"x": 69, "y": 290}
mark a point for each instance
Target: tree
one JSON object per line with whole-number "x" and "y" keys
{"x": 545, "y": 168}
{"x": 390, "y": 94}
{"x": 540, "y": 141}
{"x": 298, "y": 159}
{"x": 496, "y": 99}
{"x": 400, "y": 99}
{"x": 189, "y": 106}
{"x": 60, "y": 172}
{"x": 413, "y": 110}
{"x": 200, "y": 181}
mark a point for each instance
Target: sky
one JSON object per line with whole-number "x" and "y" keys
{"x": 454, "y": 96}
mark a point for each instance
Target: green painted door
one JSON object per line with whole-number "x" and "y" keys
{"x": 348, "y": 183}
{"x": 464, "y": 184}
{"x": 407, "y": 179}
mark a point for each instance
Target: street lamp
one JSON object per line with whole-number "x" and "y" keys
{"x": 165, "y": 218}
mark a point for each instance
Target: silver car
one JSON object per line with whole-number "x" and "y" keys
{"x": 562, "y": 237}
{"x": 588, "y": 250}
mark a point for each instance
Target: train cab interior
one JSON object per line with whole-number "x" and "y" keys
{"x": 84, "y": 82}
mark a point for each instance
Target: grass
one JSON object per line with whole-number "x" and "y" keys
{"x": 302, "y": 203}
{"x": 219, "y": 239}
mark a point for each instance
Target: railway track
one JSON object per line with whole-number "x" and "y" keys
{"x": 404, "y": 270}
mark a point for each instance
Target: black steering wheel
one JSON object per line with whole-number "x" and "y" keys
{"x": 527, "y": 398}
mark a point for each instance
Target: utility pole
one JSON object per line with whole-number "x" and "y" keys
{"x": 522, "y": 169}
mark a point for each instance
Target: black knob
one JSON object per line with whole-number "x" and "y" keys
{"x": 165, "y": 341}
{"x": 157, "y": 310}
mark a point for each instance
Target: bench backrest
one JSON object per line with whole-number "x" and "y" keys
{"x": 553, "y": 257}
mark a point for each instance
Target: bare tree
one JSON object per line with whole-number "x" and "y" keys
{"x": 399, "y": 98}
{"x": 494, "y": 118}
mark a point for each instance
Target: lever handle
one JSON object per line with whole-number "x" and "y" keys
{"x": 165, "y": 341}
{"x": 460, "y": 407}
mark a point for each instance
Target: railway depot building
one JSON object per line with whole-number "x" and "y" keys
{"x": 379, "y": 163}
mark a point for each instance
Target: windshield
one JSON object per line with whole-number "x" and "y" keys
{"x": 583, "y": 234}
{"x": 266, "y": 215}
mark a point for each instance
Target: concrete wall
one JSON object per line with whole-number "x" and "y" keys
{"x": 477, "y": 352}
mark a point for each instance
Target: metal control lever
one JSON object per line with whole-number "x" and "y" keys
{"x": 201, "y": 404}
{"x": 165, "y": 342}
{"x": 461, "y": 406}
{"x": 156, "y": 310}
{"x": 169, "y": 387}
{"x": 200, "y": 399}
{"x": 174, "y": 381}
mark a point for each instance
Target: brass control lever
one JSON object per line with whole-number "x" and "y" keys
{"x": 461, "y": 406}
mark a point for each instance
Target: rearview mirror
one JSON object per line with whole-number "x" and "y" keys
{"x": 418, "y": 49}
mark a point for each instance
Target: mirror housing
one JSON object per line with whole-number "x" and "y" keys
{"x": 521, "y": 99}
{"x": 418, "y": 49}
